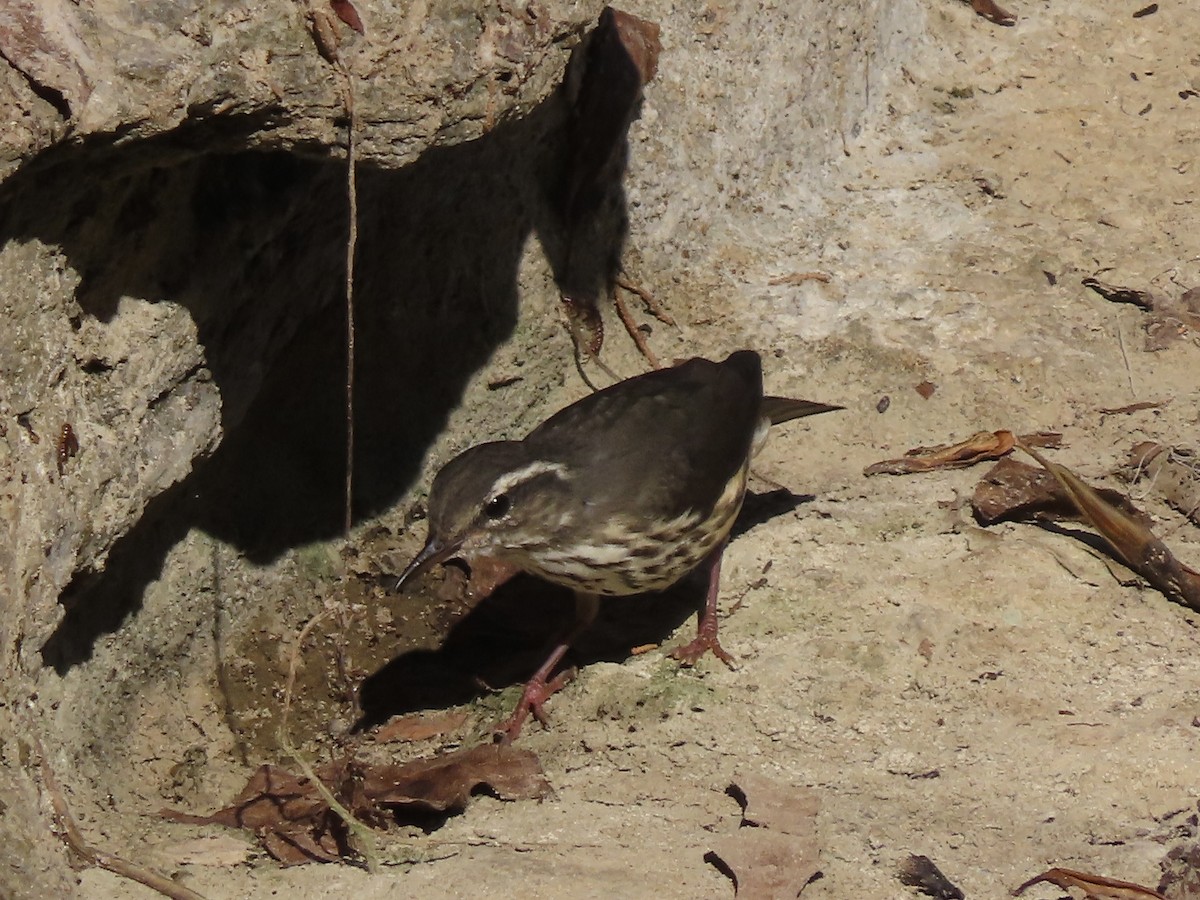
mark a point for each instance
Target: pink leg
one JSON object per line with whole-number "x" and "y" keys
{"x": 706, "y": 633}
{"x": 538, "y": 689}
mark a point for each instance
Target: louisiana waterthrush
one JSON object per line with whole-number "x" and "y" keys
{"x": 623, "y": 492}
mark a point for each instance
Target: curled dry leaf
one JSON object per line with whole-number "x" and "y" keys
{"x": 1169, "y": 319}
{"x": 297, "y": 826}
{"x": 978, "y": 447}
{"x": 1015, "y": 491}
{"x": 775, "y": 853}
{"x": 419, "y": 727}
{"x": 324, "y": 32}
{"x": 348, "y": 13}
{"x": 1129, "y": 537}
{"x": 921, "y": 873}
{"x": 993, "y": 12}
{"x": 1114, "y": 293}
{"x": 1095, "y": 887}
{"x": 1135, "y": 407}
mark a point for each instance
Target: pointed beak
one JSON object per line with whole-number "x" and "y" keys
{"x": 434, "y": 552}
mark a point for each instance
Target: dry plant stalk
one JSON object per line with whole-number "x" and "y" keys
{"x": 1134, "y": 543}
{"x": 365, "y": 839}
{"x": 71, "y": 836}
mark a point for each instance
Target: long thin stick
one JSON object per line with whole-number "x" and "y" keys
{"x": 71, "y": 836}
{"x": 351, "y": 245}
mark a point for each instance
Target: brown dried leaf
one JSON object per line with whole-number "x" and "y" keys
{"x": 926, "y": 389}
{"x": 297, "y": 826}
{"x": 1130, "y": 538}
{"x": 447, "y": 782}
{"x": 778, "y": 857}
{"x": 621, "y": 57}
{"x": 920, "y": 872}
{"x": 978, "y": 447}
{"x": 1095, "y": 887}
{"x": 765, "y": 865}
{"x": 992, "y": 11}
{"x": 772, "y": 804}
{"x": 639, "y": 38}
{"x": 348, "y": 13}
{"x": 1169, "y": 319}
{"x": 419, "y": 727}
{"x": 1190, "y": 300}
{"x": 1135, "y": 407}
{"x": 324, "y": 32}
{"x": 1147, "y": 300}
{"x": 288, "y": 814}
{"x": 1013, "y": 490}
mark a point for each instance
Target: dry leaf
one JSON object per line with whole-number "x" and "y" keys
{"x": 1147, "y": 300}
{"x": 1013, "y": 490}
{"x": 920, "y": 872}
{"x": 1169, "y": 319}
{"x": 1136, "y": 407}
{"x": 775, "y": 854}
{"x": 926, "y": 389}
{"x": 446, "y": 783}
{"x": 1129, "y": 537}
{"x": 297, "y": 826}
{"x": 767, "y": 803}
{"x": 286, "y": 812}
{"x": 993, "y": 12}
{"x": 1096, "y": 887}
{"x": 324, "y": 32}
{"x": 348, "y": 13}
{"x": 420, "y": 727}
{"x": 765, "y": 865}
{"x": 978, "y": 447}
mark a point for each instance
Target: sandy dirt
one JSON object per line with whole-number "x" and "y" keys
{"x": 993, "y": 698}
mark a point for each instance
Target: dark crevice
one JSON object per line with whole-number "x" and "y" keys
{"x": 253, "y": 246}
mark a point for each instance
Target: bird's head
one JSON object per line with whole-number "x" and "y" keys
{"x": 493, "y": 499}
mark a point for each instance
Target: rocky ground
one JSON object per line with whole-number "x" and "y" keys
{"x": 995, "y": 699}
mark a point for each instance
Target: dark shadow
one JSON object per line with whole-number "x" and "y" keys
{"x": 253, "y": 245}
{"x": 759, "y": 508}
{"x": 509, "y": 634}
{"x": 1089, "y": 538}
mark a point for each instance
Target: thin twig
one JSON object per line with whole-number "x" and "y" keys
{"x": 364, "y": 837}
{"x": 69, "y": 832}
{"x": 351, "y": 245}
{"x": 1125, "y": 356}
{"x": 631, "y": 326}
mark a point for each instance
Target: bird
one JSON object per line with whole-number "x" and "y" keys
{"x": 623, "y": 492}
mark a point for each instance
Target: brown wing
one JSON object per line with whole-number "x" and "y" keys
{"x": 662, "y": 443}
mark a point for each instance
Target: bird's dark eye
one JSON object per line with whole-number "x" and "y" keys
{"x": 497, "y": 507}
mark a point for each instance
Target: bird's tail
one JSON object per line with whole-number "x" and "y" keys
{"x": 784, "y": 409}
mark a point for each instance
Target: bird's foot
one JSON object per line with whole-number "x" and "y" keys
{"x": 688, "y": 654}
{"x": 537, "y": 692}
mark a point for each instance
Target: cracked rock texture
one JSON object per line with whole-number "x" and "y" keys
{"x": 873, "y": 195}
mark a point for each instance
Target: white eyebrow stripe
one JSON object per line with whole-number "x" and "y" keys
{"x": 509, "y": 480}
